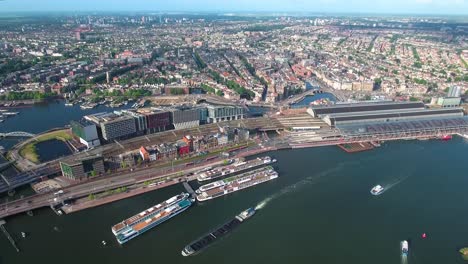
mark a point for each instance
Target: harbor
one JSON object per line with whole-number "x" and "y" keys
{"x": 308, "y": 197}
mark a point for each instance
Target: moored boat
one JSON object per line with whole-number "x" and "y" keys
{"x": 234, "y": 168}
{"x": 235, "y": 183}
{"x": 151, "y": 217}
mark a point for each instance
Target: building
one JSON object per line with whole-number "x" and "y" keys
{"x": 222, "y": 139}
{"x": 113, "y": 126}
{"x": 167, "y": 151}
{"x": 86, "y": 131}
{"x": 144, "y": 153}
{"x": 81, "y": 169}
{"x": 224, "y": 113}
{"x": 449, "y": 101}
{"x": 454, "y": 91}
{"x": 183, "y": 118}
{"x": 383, "y": 112}
{"x": 78, "y": 35}
{"x": 321, "y": 111}
{"x": 141, "y": 123}
{"x": 203, "y": 115}
{"x": 182, "y": 148}
{"x": 157, "y": 121}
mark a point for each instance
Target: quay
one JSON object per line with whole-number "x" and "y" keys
{"x": 12, "y": 241}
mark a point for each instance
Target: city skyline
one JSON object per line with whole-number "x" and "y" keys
{"x": 448, "y": 7}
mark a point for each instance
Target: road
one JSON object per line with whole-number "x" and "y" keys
{"x": 102, "y": 184}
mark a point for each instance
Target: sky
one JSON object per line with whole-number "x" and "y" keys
{"x": 459, "y": 7}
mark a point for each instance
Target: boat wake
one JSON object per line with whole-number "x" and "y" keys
{"x": 295, "y": 186}
{"x": 388, "y": 186}
{"x": 404, "y": 259}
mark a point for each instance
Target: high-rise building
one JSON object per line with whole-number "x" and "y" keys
{"x": 78, "y": 35}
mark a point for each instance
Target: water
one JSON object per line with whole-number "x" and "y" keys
{"x": 318, "y": 211}
{"x": 52, "y": 149}
{"x": 42, "y": 117}
{"x": 311, "y": 98}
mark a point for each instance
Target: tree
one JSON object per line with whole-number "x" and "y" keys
{"x": 92, "y": 173}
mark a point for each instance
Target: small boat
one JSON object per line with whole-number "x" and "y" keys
{"x": 103, "y": 243}
{"x": 446, "y": 137}
{"x": 376, "y": 190}
{"x": 404, "y": 248}
{"x": 23, "y": 234}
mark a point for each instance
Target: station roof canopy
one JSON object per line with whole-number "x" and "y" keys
{"x": 319, "y": 111}
{"x": 423, "y": 113}
{"x": 431, "y": 124}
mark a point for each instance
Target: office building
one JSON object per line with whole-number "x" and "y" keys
{"x": 81, "y": 169}
{"x": 224, "y": 113}
{"x": 86, "y": 131}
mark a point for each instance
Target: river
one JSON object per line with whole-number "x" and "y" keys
{"x": 318, "y": 211}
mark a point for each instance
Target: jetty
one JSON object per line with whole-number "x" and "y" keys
{"x": 189, "y": 188}
{"x": 12, "y": 241}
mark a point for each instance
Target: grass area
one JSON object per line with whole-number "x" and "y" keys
{"x": 29, "y": 151}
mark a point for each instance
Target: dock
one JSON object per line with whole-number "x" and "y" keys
{"x": 189, "y": 188}
{"x": 356, "y": 147}
{"x": 12, "y": 242}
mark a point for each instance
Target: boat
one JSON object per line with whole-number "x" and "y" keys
{"x": 446, "y": 137}
{"x": 151, "y": 217}
{"x": 23, "y": 234}
{"x": 404, "y": 248}
{"x": 234, "y": 168}
{"x": 10, "y": 113}
{"x": 235, "y": 183}
{"x": 377, "y": 190}
{"x": 103, "y": 243}
{"x": 208, "y": 239}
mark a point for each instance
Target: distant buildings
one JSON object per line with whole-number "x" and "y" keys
{"x": 190, "y": 144}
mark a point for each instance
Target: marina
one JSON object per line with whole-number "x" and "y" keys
{"x": 235, "y": 183}
{"x": 239, "y": 166}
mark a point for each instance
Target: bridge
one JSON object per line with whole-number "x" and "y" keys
{"x": 16, "y": 134}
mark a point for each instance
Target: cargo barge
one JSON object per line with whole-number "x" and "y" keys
{"x": 234, "y": 168}
{"x": 208, "y": 239}
{"x": 151, "y": 217}
{"x": 235, "y": 183}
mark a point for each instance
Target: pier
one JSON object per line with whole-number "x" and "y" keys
{"x": 12, "y": 242}
{"x": 189, "y": 188}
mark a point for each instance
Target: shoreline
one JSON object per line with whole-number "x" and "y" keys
{"x": 85, "y": 203}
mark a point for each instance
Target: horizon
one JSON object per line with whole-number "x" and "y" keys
{"x": 327, "y": 7}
